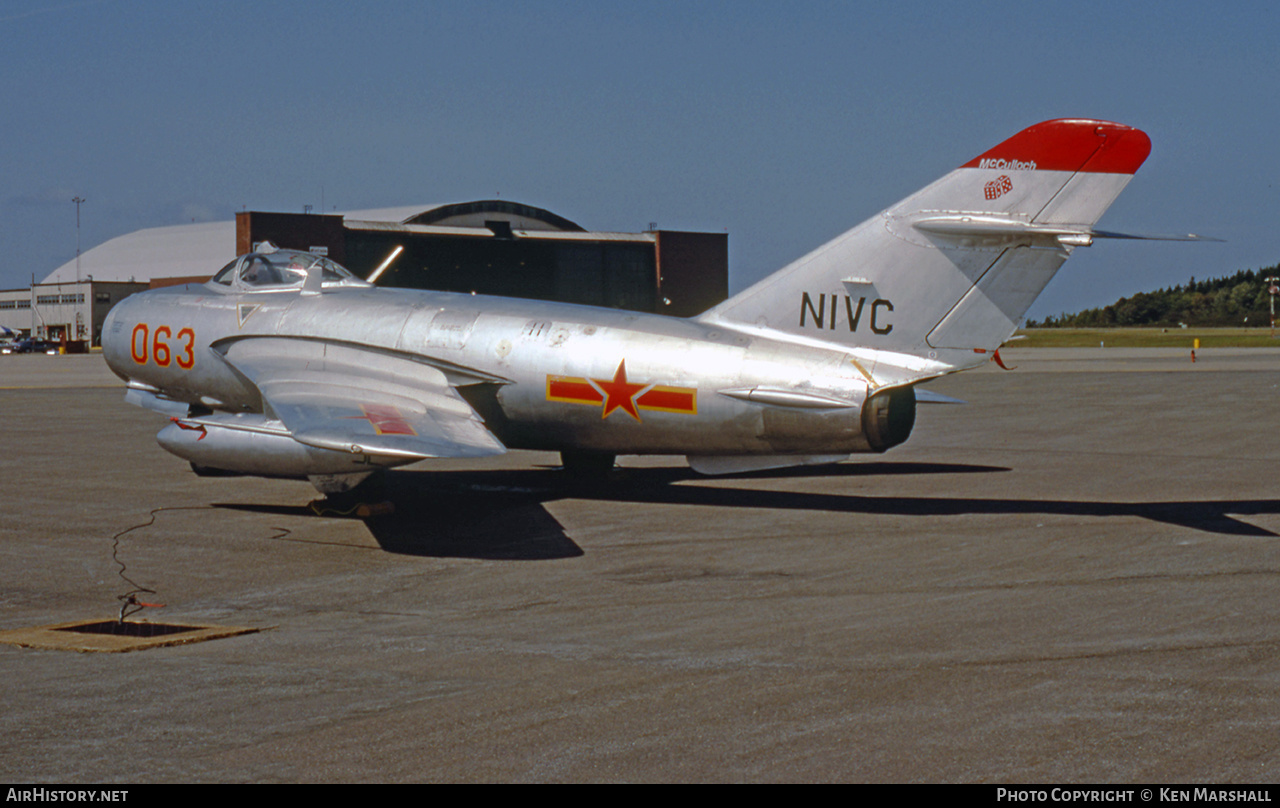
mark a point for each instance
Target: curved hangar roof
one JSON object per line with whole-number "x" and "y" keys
{"x": 190, "y": 250}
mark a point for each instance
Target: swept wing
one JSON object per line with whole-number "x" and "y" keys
{"x": 352, "y": 399}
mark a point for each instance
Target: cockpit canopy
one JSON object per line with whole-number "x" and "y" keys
{"x": 275, "y": 269}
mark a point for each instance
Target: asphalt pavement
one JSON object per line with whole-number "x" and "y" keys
{"x": 1071, "y": 577}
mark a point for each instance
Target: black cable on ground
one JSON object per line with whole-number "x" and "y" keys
{"x": 129, "y": 602}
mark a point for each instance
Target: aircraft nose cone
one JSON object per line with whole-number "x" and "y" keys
{"x": 115, "y": 337}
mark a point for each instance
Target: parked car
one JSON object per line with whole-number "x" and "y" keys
{"x": 30, "y": 346}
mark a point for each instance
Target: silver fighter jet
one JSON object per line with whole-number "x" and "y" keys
{"x": 286, "y": 365}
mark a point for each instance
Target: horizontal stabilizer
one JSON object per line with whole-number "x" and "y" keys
{"x": 929, "y": 397}
{"x": 992, "y": 230}
{"x": 1154, "y": 236}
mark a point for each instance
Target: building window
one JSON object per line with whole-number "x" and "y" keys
{"x": 58, "y": 300}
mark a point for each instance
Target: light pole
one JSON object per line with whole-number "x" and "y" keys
{"x": 1272, "y": 289}
{"x": 78, "y": 202}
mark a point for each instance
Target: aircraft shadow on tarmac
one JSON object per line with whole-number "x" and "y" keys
{"x": 501, "y": 514}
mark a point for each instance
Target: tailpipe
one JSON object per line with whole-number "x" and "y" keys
{"x": 888, "y": 417}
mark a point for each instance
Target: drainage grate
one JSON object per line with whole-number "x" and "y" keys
{"x": 114, "y": 636}
{"x": 128, "y": 629}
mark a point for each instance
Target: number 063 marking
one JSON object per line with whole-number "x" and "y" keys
{"x": 158, "y": 348}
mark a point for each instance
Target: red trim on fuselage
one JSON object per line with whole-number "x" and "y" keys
{"x": 572, "y": 390}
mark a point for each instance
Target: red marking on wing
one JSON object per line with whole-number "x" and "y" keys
{"x": 386, "y": 420}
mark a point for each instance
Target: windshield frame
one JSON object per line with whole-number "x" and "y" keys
{"x": 281, "y": 271}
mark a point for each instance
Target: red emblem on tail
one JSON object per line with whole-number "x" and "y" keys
{"x": 998, "y": 187}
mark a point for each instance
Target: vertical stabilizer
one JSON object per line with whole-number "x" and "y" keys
{"x": 954, "y": 267}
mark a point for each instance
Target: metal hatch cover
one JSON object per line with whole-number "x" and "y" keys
{"x": 112, "y": 636}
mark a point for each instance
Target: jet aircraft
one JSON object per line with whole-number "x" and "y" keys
{"x": 287, "y": 365}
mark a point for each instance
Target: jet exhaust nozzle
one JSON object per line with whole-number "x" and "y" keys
{"x": 888, "y": 418}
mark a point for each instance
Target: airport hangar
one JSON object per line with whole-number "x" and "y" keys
{"x": 491, "y": 247}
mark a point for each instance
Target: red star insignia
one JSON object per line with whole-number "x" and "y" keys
{"x": 619, "y": 393}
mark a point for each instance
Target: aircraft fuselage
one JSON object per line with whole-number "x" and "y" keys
{"x": 565, "y": 377}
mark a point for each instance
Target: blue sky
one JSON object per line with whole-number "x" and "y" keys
{"x": 781, "y": 123}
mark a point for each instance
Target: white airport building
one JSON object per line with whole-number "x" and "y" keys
{"x": 486, "y": 247}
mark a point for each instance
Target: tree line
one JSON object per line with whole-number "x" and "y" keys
{"x": 1241, "y": 299}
